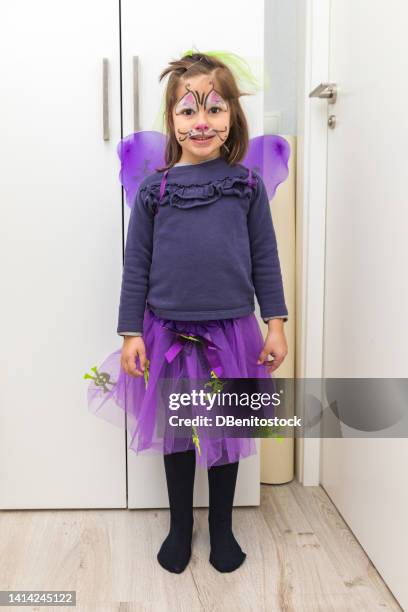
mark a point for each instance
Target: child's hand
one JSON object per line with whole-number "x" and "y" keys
{"x": 133, "y": 346}
{"x": 275, "y": 345}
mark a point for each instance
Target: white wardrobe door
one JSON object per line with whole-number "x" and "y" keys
{"x": 157, "y": 33}
{"x": 61, "y": 253}
{"x": 366, "y": 289}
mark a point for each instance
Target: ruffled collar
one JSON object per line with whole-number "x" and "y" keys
{"x": 193, "y": 185}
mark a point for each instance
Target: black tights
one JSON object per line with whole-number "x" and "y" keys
{"x": 175, "y": 552}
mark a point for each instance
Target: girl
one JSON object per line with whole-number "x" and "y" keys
{"x": 200, "y": 244}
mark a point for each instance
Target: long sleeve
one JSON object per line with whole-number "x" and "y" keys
{"x": 266, "y": 270}
{"x": 135, "y": 275}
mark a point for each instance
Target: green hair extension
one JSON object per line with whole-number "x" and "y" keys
{"x": 239, "y": 67}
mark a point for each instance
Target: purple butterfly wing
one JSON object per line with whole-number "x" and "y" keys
{"x": 140, "y": 154}
{"x": 269, "y": 155}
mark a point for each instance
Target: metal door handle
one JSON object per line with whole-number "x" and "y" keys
{"x": 136, "y": 93}
{"x": 105, "y": 98}
{"x": 325, "y": 90}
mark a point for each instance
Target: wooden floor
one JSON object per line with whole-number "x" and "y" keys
{"x": 301, "y": 557}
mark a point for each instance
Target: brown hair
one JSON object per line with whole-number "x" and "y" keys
{"x": 235, "y": 147}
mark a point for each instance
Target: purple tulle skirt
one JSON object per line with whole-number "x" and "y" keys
{"x": 178, "y": 351}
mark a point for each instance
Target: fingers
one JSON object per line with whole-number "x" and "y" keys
{"x": 274, "y": 365}
{"x": 142, "y": 359}
{"x": 271, "y": 366}
{"x": 128, "y": 363}
{"x": 262, "y": 356}
{"x": 131, "y": 366}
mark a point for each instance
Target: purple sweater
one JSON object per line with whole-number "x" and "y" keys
{"x": 202, "y": 250}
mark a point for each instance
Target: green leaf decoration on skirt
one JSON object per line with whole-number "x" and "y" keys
{"x": 196, "y": 439}
{"x": 146, "y": 372}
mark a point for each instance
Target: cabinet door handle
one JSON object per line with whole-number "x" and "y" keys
{"x": 105, "y": 98}
{"x": 136, "y": 93}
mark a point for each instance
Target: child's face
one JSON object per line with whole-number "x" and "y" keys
{"x": 200, "y": 111}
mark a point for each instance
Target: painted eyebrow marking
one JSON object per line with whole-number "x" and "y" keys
{"x": 187, "y": 101}
{"x": 215, "y": 99}
{"x": 213, "y": 96}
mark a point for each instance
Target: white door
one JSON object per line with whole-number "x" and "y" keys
{"x": 156, "y": 33}
{"x": 61, "y": 253}
{"x": 366, "y": 289}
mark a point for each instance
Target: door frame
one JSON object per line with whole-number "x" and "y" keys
{"x": 313, "y": 37}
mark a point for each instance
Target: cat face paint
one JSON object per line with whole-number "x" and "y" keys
{"x": 191, "y": 101}
{"x": 201, "y": 118}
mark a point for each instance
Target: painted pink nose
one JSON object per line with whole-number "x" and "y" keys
{"x": 201, "y": 126}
